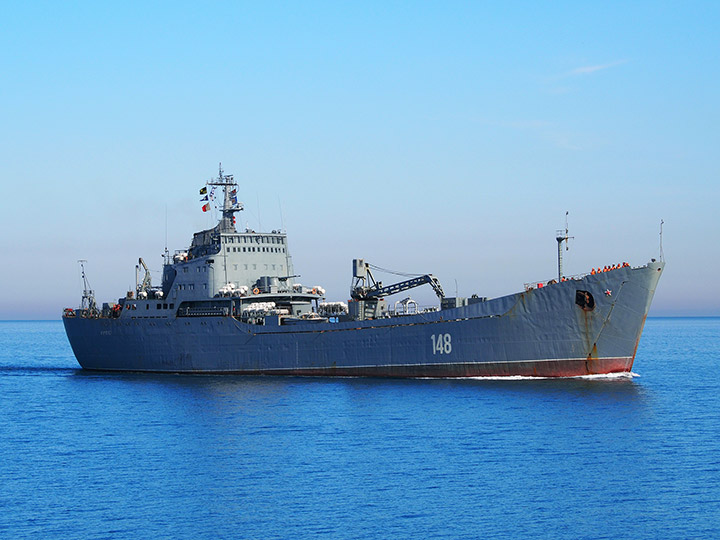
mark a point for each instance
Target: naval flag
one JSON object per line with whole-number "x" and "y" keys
{"x": 205, "y": 198}
{"x": 203, "y": 191}
{"x": 206, "y": 207}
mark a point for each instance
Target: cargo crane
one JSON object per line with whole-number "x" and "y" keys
{"x": 146, "y": 284}
{"x": 365, "y": 287}
{"x": 88, "y": 297}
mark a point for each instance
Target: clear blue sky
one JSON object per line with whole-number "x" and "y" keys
{"x": 444, "y": 137}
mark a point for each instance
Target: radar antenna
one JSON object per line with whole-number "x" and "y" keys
{"x": 230, "y": 202}
{"x": 562, "y": 236}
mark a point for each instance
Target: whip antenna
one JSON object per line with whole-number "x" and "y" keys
{"x": 662, "y": 255}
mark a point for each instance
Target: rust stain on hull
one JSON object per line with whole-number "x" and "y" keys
{"x": 591, "y": 362}
{"x": 637, "y": 341}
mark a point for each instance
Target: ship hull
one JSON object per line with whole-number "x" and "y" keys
{"x": 542, "y": 332}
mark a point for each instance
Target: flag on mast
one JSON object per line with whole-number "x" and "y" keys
{"x": 203, "y": 191}
{"x": 206, "y": 207}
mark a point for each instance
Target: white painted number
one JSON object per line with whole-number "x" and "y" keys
{"x": 442, "y": 343}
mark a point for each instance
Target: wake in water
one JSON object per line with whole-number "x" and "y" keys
{"x": 25, "y": 370}
{"x": 610, "y": 376}
{"x": 601, "y": 376}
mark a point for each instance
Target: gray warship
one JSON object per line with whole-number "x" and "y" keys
{"x": 231, "y": 303}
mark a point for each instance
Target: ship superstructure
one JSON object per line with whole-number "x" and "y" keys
{"x": 223, "y": 271}
{"x": 230, "y": 303}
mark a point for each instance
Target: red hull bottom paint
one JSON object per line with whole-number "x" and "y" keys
{"x": 545, "y": 368}
{"x": 553, "y": 368}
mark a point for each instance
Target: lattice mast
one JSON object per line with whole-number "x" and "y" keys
{"x": 230, "y": 204}
{"x": 562, "y": 236}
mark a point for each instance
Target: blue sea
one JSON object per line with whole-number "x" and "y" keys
{"x": 93, "y": 455}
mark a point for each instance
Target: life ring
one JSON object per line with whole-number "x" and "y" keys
{"x": 314, "y": 291}
{"x": 256, "y": 291}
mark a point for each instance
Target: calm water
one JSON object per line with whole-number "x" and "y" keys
{"x": 87, "y": 455}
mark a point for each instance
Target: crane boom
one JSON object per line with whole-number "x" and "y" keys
{"x": 146, "y": 282}
{"x": 408, "y": 284}
{"x": 376, "y": 290}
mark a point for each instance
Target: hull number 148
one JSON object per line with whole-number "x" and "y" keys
{"x": 442, "y": 343}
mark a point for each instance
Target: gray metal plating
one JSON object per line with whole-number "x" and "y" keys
{"x": 230, "y": 304}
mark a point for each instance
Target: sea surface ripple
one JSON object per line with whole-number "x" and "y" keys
{"x": 95, "y": 455}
